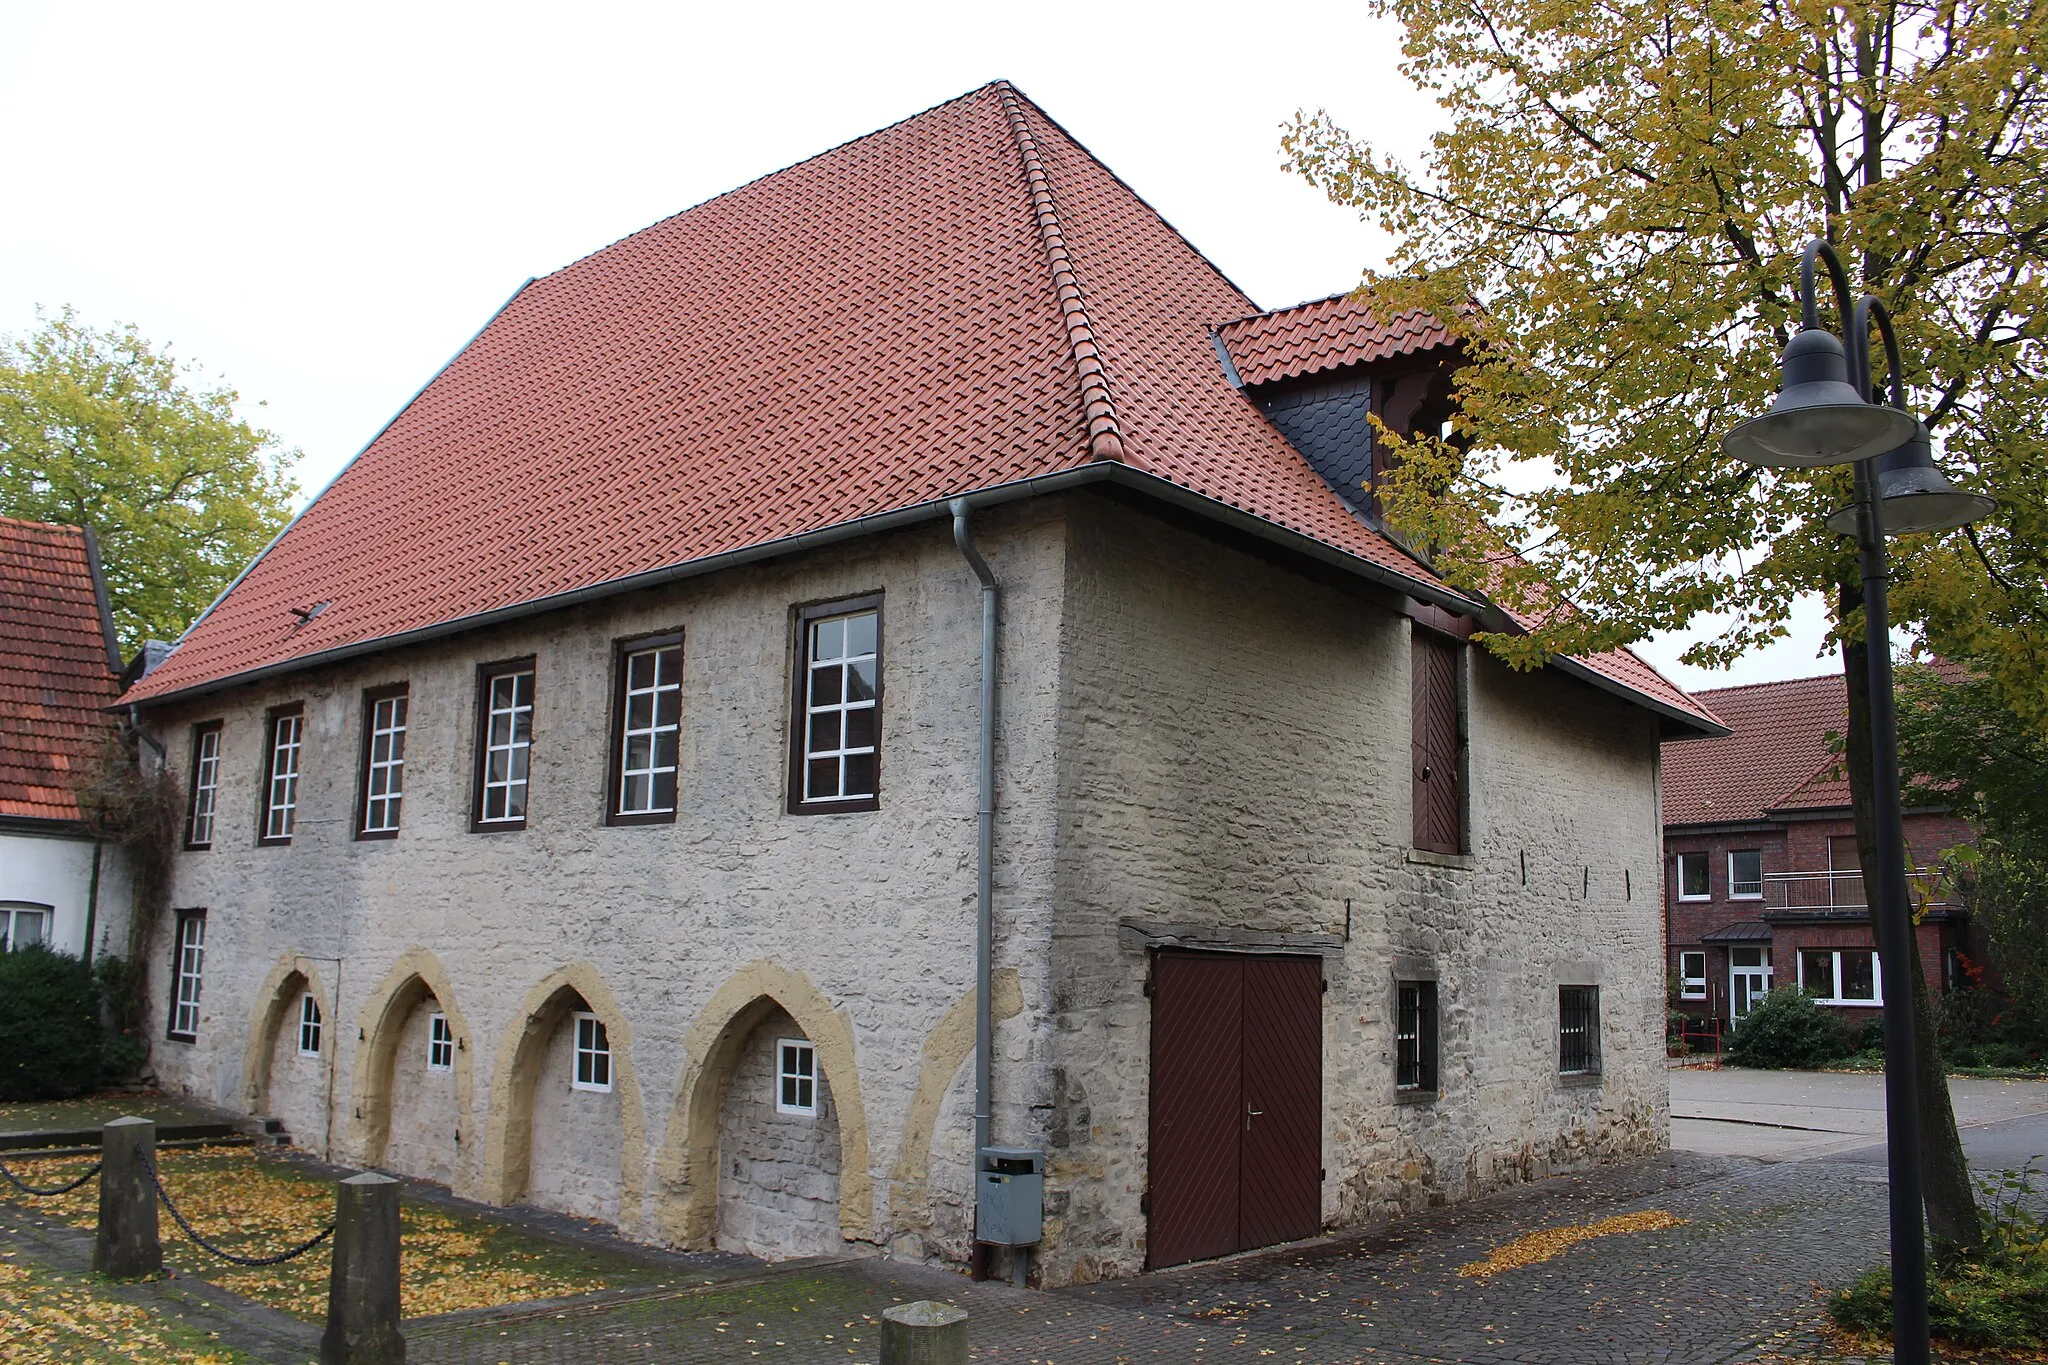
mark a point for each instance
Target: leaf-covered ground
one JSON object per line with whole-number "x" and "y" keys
{"x": 256, "y": 1204}
{"x": 48, "y": 1318}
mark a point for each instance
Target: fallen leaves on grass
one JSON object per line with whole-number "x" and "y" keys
{"x": 51, "y": 1319}
{"x": 1550, "y": 1242}
{"x": 257, "y": 1206}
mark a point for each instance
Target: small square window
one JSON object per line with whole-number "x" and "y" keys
{"x": 440, "y": 1043}
{"x": 1692, "y": 975}
{"x": 1578, "y": 1030}
{"x": 1415, "y": 1037}
{"x": 1746, "y": 874}
{"x": 593, "y": 1055}
{"x": 309, "y": 1026}
{"x": 1692, "y": 877}
{"x": 796, "y": 1077}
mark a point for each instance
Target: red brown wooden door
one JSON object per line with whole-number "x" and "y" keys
{"x": 1236, "y": 1132}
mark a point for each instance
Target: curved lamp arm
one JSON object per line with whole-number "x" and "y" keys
{"x": 1820, "y": 249}
{"x": 1869, "y": 308}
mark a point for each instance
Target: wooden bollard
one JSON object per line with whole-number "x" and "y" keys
{"x": 924, "y": 1333}
{"x": 127, "y": 1246}
{"x": 362, "y": 1289}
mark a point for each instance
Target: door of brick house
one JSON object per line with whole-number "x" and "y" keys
{"x": 1237, "y": 1090}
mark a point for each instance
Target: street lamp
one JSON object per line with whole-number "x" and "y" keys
{"x": 1826, "y": 414}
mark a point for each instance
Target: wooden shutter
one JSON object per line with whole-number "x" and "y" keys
{"x": 1438, "y": 804}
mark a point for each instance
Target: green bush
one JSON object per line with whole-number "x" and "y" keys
{"x": 52, "y": 1044}
{"x": 1786, "y": 1029}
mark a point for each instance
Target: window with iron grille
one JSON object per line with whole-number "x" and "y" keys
{"x": 383, "y": 791}
{"x": 440, "y": 1043}
{"x": 1578, "y": 1030}
{"x": 593, "y": 1054}
{"x": 1437, "y": 739}
{"x": 309, "y": 1026}
{"x": 287, "y": 730}
{"x": 646, "y": 727}
{"x": 504, "y": 744}
{"x": 205, "y": 785}
{"x": 1415, "y": 1037}
{"x": 837, "y": 747}
{"x": 189, "y": 958}
{"x": 1746, "y": 874}
{"x": 796, "y": 1076}
{"x": 1693, "y": 883}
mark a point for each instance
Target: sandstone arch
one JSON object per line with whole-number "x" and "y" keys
{"x": 689, "y": 1157}
{"x": 508, "y": 1136}
{"x": 946, "y": 1048}
{"x": 416, "y": 975}
{"x": 293, "y": 976}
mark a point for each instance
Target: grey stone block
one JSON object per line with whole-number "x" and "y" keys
{"x": 127, "y": 1246}
{"x": 924, "y": 1333}
{"x": 362, "y": 1291}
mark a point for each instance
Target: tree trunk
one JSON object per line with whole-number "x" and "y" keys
{"x": 1950, "y": 1200}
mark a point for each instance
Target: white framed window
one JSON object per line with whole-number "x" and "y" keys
{"x": 440, "y": 1043}
{"x": 593, "y": 1054}
{"x": 1746, "y": 875}
{"x": 24, "y": 924}
{"x": 205, "y": 785}
{"x": 840, "y": 745}
{"x": 384, "y": 715}
{"x": 796, "y": 1076}
{"x": 1842, "y": 976}
{"x": 1692, "y": 975}
{"x": 309, "y": 1026}
{"x": 185, "y": 970}
{"x": 650, "y": 705}
{"x": 505, "y": 746}
{"x": 1693, "y": 884}
{"x": 281, "y": 775}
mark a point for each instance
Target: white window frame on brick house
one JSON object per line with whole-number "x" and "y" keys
{"x": 504, "y": 745}
{"x": 1706, "y": 865}
{"x": 1754, "y": 885}
{"x": 593, "y": 1062}
{"x": 382, "y": 794}
{"x": 836, "y": 751}
{"x": 286, "y": 734}
{"x": 309, "y": 1025}
{"x": 205, "y": 795}
{"x": 1692, "y": 974}
{"x": 646, "y": 731}
{"x": 796, "y": 1077}
{"x": 440, "y": 1043}
{"x": 14, "y": 915}
{"x": 188, "y": 965}
{"x": 1834, "y": 994}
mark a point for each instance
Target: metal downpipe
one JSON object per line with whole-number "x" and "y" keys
{"x": 985, "y": 812}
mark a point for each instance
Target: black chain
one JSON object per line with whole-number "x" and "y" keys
{"x": 27, "y": 1188}
{"x": 301, "y": 1249}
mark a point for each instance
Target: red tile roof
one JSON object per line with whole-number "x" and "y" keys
{"x": 57, "y": 668}
{"x": 959, "y": 302}
{"x": 1323, "y": 334}
{"x": 1779, "y": 752}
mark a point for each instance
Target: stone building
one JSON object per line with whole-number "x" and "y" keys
{"x": 597, "y": 813}
{"x": 1764, "y": 884}
{"x": 60, "y": 669}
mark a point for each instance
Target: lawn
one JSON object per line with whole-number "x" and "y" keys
{"x": 98, "y": 1109}
{"x": 256, "y": 1203}
{"x": 50, "y": 1318}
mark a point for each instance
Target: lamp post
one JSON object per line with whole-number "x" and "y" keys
{"x": 1826, "y": 414}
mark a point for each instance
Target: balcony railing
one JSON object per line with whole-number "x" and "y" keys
{"x": 1841, "y": 890}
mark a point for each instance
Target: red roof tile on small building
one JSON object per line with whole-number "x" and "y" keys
{"x": 1779, "y": 747}
{"x": 58, "y": 669}
{"x": 1324, "y": 334}
{"x": 963, "y": 301}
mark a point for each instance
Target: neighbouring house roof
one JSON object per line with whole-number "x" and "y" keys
{"x": 966, "y": 302}
{"x": 1744, "y": 931}
{"x": 1325, "y": 334}
{"x": 1779, "y": 752}
{"x": 59, "y": 667}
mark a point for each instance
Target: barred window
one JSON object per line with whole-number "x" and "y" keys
{"x": 838, "y": 711}
{"x": 205, "y": 785}
{"x": 796, "y": 1079}
{"x": 1578, "y": 1030}
{"x": 593, "y": 1054}
{"x": 440, "y": 1043}
{"x": 1415, "y": 1037}
{"x": 189, "y": 957}
{"x": 384, "y": 714}
{"x": 281, "y": 774}
{"x": 504, "y": 745}
{"x": 309, "y": 1026}
{"x": 647, "y": 727}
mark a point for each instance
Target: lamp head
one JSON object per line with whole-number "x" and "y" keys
{"x": 1818, "y": 417}
{"x": 1916, "y": 496}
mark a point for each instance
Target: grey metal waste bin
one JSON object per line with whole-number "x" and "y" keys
{"x": 1010, "y": 1196}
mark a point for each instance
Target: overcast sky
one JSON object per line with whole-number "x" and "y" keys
{"x": 323, "y": 204}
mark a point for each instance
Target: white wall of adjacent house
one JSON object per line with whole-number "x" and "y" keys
{"x": 47, "y": 879}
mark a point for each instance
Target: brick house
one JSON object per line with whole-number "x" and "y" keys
{"x": 60, "y": 668}
{"x": 588, "y": 797}
{"x": 1762, "y": 880}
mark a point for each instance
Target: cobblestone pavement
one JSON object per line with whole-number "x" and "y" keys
{"x": 1742, "y": 1277}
